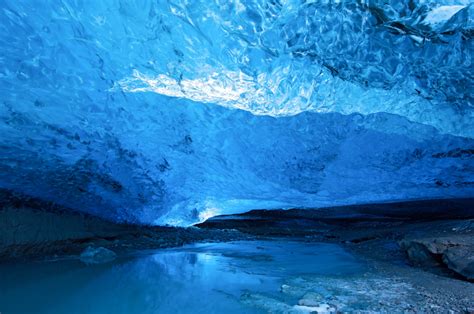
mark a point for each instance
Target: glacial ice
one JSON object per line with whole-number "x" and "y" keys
{"x": 170, "y": 112}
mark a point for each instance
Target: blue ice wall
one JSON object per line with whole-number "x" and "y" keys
{"x": 173, "y": 111}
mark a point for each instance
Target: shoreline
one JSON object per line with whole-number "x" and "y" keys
{"x": 416, "y": 283}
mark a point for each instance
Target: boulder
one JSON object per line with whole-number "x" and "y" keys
{"x": 92, "y": 255}
{"x": 461, "y": 260}
{"x": 418, "y": 252}
{"x": 455, "y": 252}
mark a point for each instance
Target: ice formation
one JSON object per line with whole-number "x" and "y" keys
{"x": 170, "y": 112}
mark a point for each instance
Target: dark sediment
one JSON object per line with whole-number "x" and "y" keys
{"x": 32, "y": 228}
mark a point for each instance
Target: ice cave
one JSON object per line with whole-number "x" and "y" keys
{"x": 236, "y": 156}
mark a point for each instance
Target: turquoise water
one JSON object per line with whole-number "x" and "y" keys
{"x": 200, "y": 278}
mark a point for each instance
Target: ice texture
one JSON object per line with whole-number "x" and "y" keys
{"x": 170, "y": 112}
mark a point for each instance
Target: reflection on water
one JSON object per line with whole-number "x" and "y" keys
{"x": 201, "y": 278}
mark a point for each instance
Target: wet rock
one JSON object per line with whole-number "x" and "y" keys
{"x": 456, "y": 252}
{"x": 97, "y": 255}
{"x": 418, "y": 252}
{"x": 284, "y": 288}
{"x": 311, "y": 299}
{"x": 461, "y": 260}
{"x": 289, "y": 290}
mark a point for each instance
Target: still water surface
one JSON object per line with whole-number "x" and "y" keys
{"x": 199, "y": 278}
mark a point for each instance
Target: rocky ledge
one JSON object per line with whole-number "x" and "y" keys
{"x": 454, "y": 251}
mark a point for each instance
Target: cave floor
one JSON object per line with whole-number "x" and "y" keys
{"x": 274, "y": 275}
{"x": 295, "y": 261}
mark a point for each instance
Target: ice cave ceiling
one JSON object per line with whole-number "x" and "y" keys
{"x": 169, "y": 112}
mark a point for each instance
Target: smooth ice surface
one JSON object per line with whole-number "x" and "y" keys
{"x": 170, "y": 112}
{"x": 202, "y": 278}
